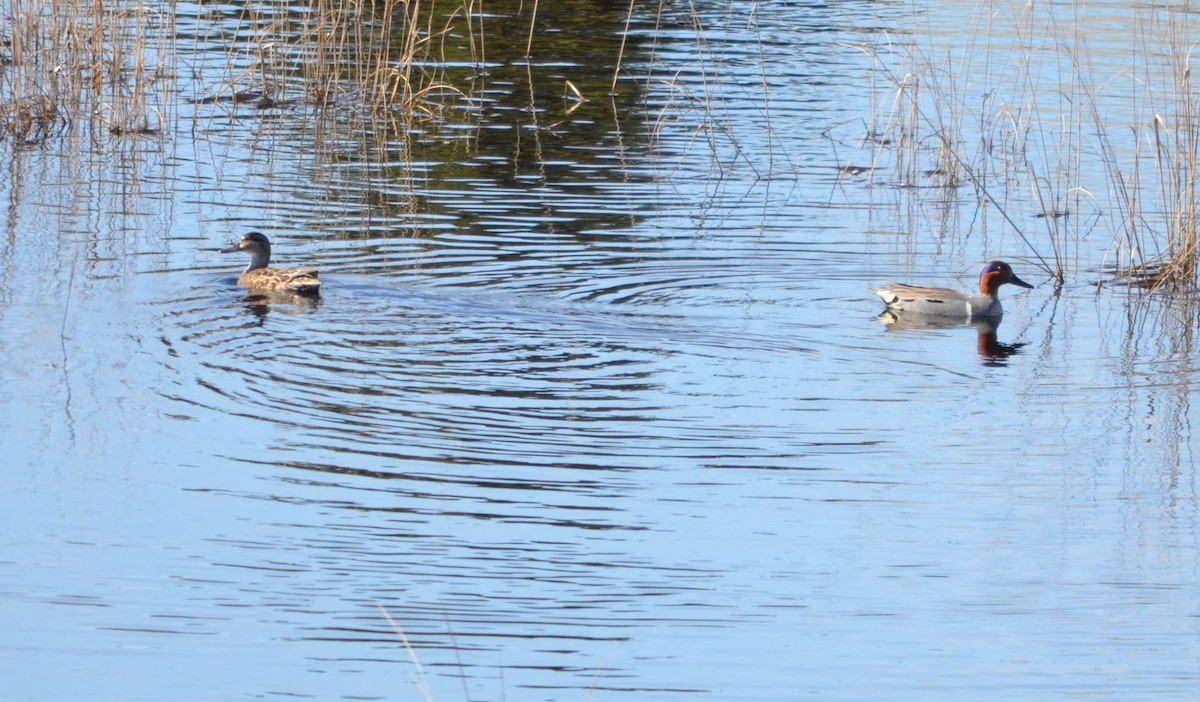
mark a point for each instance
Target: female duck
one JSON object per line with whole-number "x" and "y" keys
{"x": 259, "y": 276}
{"x": 941, "y": 302}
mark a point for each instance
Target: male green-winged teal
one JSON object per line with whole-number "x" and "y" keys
{"x": 261, "y": 277}
{"x": 942, "y": 302}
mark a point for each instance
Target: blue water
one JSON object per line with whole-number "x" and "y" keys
{"x": 594, "y": 403}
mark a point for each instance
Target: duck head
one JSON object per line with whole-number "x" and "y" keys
{"x": 995, "y": 274}
{"x": 255, "y": 244}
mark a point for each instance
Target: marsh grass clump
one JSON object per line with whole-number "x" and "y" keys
{"x": 380, "y": 55}
{"x": 1176, "y": 150}
{"x": 382, "y": 60}
{"x": 30, "y": 118}
{"x": 35, "y": 97}
{"x": 81, "y": 63}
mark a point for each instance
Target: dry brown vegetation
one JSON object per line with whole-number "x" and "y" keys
{"x": 80, "y": 62}
{"x": 1015, "y": 109}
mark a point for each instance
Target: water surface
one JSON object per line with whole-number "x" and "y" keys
{"x": 593, "y": 404}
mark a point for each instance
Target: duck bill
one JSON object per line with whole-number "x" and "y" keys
{"x": 237, "y": 247}
{"x": 1020, "y": 283}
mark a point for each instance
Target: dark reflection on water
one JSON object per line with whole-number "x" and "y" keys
{"x": 992, "y": 351}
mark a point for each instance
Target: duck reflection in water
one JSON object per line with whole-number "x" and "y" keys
{"x": 992, "y": 352}
{"x": 918, "y": 306}
{"x": 263, "y": 303}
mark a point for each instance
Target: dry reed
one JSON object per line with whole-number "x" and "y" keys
{"x": 82, "y": 63}
{"x": 79, "y": 64}
{"x": 1048, "y": 153}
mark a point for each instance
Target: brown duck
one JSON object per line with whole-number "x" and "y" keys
{"x": 260, "y": 276}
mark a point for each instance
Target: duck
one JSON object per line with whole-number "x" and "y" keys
{"x": 951, "y": 304}
{"x": 260, "y": 276}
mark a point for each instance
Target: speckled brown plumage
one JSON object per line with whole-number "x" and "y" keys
{"x": 259, "y": 276}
